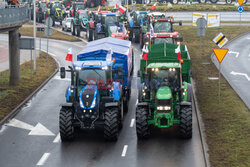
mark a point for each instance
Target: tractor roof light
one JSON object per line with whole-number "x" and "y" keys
{"x": 182, "y": 61}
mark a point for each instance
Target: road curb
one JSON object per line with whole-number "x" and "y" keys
{"x": 18, "y": 108}
{"x": 201, "y": 126}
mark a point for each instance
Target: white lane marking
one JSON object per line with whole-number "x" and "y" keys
{"x": 38, "y": 130}
{"x": 243, "y": 74}
{"x": 237, "y": 53}
{"x": 124, "y": 151}
{"x": 136, "y": 102}
{"x": 132, "y": 122}
{"x": 57, "y": 139}
{"x": 248, "y": 37}
{"x": 213, "y": 78}
{"x": 43, "y": 159}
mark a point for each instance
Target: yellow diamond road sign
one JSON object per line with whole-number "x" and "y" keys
{"x": 220, "y": 54}
{"x": 220, "y": 40}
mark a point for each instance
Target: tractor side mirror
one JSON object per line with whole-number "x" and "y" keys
{"x": 180, "y": 23}
{"x": 139, "y": 74}
{"x": 62, "y": 72}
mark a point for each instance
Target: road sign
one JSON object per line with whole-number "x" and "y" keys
{"x": 201, "y": 22}
{"x": 49, "y": 22}
{"x": 240, "y": 9}
{"x": 26, "y": 43}
{"x": 48, "y": 31}
{"x": 40, "y": 28}
{"x": 240, "y": 2}
{"x": 220, "y": 54}
{"x": 220, "y": 40}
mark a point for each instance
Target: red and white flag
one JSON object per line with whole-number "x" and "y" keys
{"x": 99, "y": 9}
{"x": 145, "y": 52}
{"x": 178, "y": 51}
{"x": 69, "y": 55}
{"x": 122, "y": 9}
{"x": 153, "y": 7}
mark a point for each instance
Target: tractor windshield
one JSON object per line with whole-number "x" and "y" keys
{"x": 141, "y": 17}
{"x": 83, "y": 14}
{"x": 111, "y": 19}
{"x": 162, "y": 27}
{"x": 165, "y": 77}
{"x": 163, "y": 40}
{"x": 92, "y": 77}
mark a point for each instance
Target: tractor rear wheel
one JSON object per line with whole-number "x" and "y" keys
{"x": 66, "y": 124}
{"x": 89, "y": 34}
{"x": 78, "y": 29}
{"x": 186, "y": 122}
{"x": 142, "y": 127}
{"x": 72, "y": 28}
{"x": 111, "y": 124}
{"x": 137, "y": 36}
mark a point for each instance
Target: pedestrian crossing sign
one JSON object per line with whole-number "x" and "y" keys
{"x": 220, "y": 40}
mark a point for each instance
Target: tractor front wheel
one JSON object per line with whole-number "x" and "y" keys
{"x": 142, "y": 126}
{"x": 186, "y": 122}
{"x": 72, "y": 29}
{"x": 66, "y": 124}
{"x": 111, "y": 124}
{"x": 78, "y": 29}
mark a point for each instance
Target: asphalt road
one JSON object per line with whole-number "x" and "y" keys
{"x": 235, "y": 67}
{"x": 18, "y": 147}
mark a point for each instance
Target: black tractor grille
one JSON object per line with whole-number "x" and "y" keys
{"x": 87, "y": 96}
{"x": 163, "y": 102}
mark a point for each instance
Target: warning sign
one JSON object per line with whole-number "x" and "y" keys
{"x": 220, "y": 54}
{"x": 220, "y": 40}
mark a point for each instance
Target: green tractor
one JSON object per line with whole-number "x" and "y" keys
{"x": 56, "y": 11}
{"x": 165, "y": 95}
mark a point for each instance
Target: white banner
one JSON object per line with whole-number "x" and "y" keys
{"x": 196, "y": 16}
{"x": 213, "y": 20}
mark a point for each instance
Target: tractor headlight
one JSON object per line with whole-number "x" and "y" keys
{"x": 105, "y": 68}
{"x": 163, "y": 108}
{"x": 78, "y": 68}
{"x": 93, "y": 104}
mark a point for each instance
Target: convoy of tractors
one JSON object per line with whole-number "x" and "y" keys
{"x": 101, "y": 77}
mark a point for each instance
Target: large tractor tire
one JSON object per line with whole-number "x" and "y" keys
{"x": 174, "y": 2}
{"x": 214, "y": 1}
{"x": 78, "y": 30}
{"x": 137, "y": 36}
{"x": 89, "y": 34}
{"x": 111, "y": 124}
{"x": 72, "y": 28}
{"x": 66, "y": 124}
{"x": 142, "y": 126}
{"x": 228, "y": 1}
{"x": 186, "y": 122}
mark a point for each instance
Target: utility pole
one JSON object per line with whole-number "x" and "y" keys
{"x": 34, "y": 33}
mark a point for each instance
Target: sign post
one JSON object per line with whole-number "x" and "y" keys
{"x": 202, "y": 25}
{"x": 28, "y": 44}
{"x": 220, "y": 40}
{"x": 40, "y": 29}
{"x": 48, "y": 32}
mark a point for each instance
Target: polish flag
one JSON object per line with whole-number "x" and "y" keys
{"x": 69, "y": 55}
{"x": 122, "y": 9}
{"x": 178, "y": 51}
{"x": 145, "y": 54}
{"x": 99, "y": 9}
{"x": 153, "y": 7}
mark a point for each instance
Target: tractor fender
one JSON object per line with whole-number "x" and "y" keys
{"x": 142, "y": 104}
{"x": 117, "y": 91}
{"x": 111, "y": 104}
{"x": 68, "y": 94}
{"x": 91, "y": 24}
{"x": 184, "y": 103}
{"x": 66, "y": 105}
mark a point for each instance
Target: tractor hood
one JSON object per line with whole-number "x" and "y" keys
{"x": 88, "y": 97}
{"x": 164, "y": 93}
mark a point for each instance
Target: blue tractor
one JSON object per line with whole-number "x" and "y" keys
{"x": 97, "y": 96}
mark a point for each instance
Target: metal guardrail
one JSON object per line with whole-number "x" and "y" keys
{"x": 9, "y": 17}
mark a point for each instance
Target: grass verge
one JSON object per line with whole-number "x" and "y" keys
{"x": 28, "y": 31}
{"x": 228, "y": 124}
{"x": 12, "y": 96}
{"x": 184, "y": 8}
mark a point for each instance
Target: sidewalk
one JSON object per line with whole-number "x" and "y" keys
{"x": 4, "y": 56}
